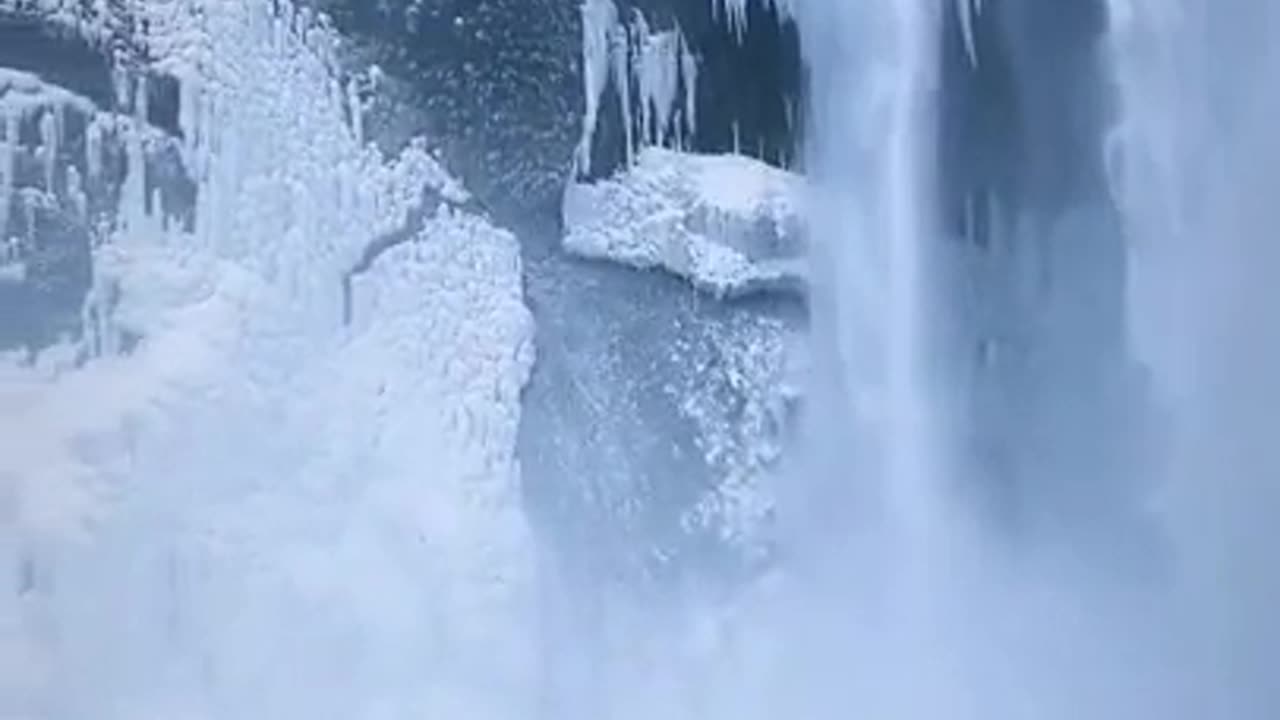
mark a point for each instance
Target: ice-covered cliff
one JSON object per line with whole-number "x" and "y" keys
{"x": 227, "y": 486}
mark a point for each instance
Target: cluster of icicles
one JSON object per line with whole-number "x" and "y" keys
{"x": 654, "y": 74}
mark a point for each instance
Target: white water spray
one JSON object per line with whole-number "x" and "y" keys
{"x": 1195, "y": 158}
{"x": 879, "y": 433}
{"x": 962, "y": 631}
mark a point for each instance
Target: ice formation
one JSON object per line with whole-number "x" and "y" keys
{"x": 653, "y": 72}
{"x": 24, "y": 99}
{"x": 968, "y": 12}
{"x": 734, "y": 12}
{"x": 729, "y": 224}
{"x": 224, "y": 492}
{"x": 95, "y": 21}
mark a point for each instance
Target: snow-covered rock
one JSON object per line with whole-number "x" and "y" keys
{"x": 729, "y": 224}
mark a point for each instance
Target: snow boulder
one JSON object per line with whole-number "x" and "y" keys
{"x": 729, "y": 224}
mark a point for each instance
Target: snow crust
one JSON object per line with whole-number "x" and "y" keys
{"x": 729, "y": 224}
{"x": 259, "y": 510}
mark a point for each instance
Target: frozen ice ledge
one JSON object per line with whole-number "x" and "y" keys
{"x": 729, "y": 224}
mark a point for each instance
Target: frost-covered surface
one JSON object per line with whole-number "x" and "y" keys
{"x": 255, "y": 510}
{"x": 729, "y": 224}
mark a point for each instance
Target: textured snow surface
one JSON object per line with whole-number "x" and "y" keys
{"x": 257, "y": 498}
{"x": 729, "y": 224}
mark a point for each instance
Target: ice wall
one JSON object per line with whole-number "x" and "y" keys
{"x": 226, "y": 502}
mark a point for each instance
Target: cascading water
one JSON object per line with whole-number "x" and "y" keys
{"x": 221, "y": 507}
{"x": 1044, "y": 619}
{"x": 1194, "y": 158}
{"x": 880, "y": 453}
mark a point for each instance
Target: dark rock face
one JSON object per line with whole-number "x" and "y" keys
{"x": 495, "y": 82}
{"x": 499, "y": 83}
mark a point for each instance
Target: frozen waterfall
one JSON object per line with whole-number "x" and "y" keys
{"x": 969, "y": 413}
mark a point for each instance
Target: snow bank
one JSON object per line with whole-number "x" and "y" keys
{"x": 729, "y": 224}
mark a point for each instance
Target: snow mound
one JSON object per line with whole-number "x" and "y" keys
{"x": 729, "y": 224}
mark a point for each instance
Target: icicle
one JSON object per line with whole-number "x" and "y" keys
{"x": 75, "y": 192}
{"x": 657, "y": 72}
{"x": 599, "y": 17}
{"x": 49, "y": 147}
{"x": 689, "y": 70}
{"x": 93, "y": 147}
{"x": 189, "y": 120}
{"x": 620, "y": 47}
{"x": 120, "y": 84}
{"x": 8, "y": 160}
{"x": 734, "y": 15}
{"x": 639, "y": 60}
{"x": 968, "y": 11}
{"x": 141, "y": 101}
{"x": 357, "y": 110}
